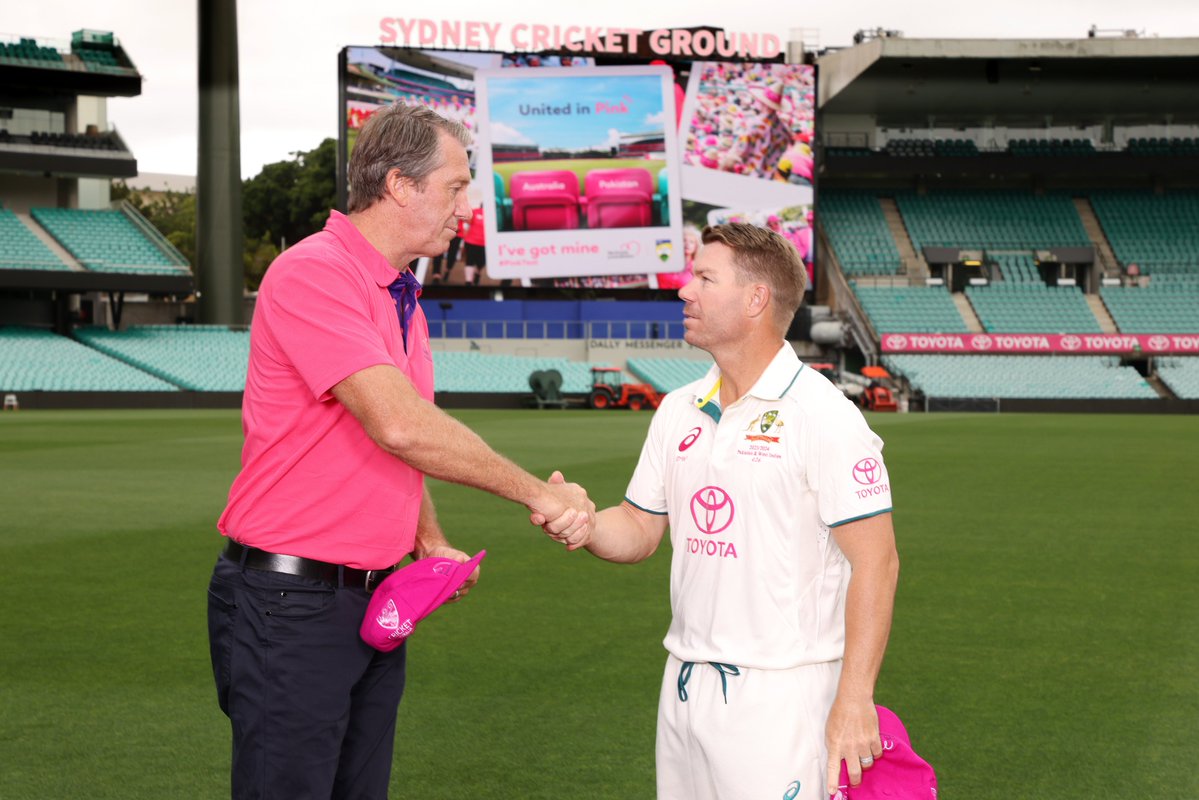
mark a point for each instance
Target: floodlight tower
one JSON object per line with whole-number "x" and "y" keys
{"x": 219, "y": 279}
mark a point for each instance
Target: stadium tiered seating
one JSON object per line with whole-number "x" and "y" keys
{"x": 556, "y": 319}
{"x": 40, "y": 361}
{"x": 956, "y": 147}
{"x": 83, "y": 141}
{"x": 1032, "y": 308}
{"x": 1025, "y": 377}
{"x": 668, "y": 374}
{"x": 1169, "y": 304}
{"x": 910, "y": 309}
{"x": 1158, "y": 146}
{"x": 21, "y": 249}
{"x": 484, "y": 372}
{"x": 922, "y": 148}
{"x": 27, "y": 52}
{"x": 1018, "y": 270}
{"x": 1051, "y": 147}
{"x": 849, "y": 152}
{"x": 1181, "y": 375}
{"x": 858, "y": 232}
{"x": 545, "y": 200}
{"x": 105, "y": 241}
{"x": 999, "y": 220}
{"x": 1158, "y": 233}
{"x": 203, "y": 358}
{"x": 913, "y": 148}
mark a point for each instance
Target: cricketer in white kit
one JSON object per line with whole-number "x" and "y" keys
{"x": 784, "y": 567}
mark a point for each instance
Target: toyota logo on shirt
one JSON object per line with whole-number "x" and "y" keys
{"x": 867, "y": 471}
{"x": 711, "y": 509}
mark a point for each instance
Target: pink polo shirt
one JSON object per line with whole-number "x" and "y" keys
{"x": 312, "y": 483}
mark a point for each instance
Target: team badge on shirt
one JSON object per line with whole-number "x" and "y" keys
{"x": 763, "y": 424}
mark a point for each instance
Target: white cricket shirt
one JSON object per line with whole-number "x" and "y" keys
{"x": 751, "y": 492}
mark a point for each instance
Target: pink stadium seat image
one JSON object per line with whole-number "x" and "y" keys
{"x": 619, "y": 198}
{"x": 544, "y": 201}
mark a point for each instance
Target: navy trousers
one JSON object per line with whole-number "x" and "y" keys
{"x": 312, "y": 707}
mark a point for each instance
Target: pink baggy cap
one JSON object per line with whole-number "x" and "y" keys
{"x": 410, "y": 594}
{"x": 898, "y": 774}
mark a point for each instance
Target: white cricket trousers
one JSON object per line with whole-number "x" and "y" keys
{"x": 731, "y": 733}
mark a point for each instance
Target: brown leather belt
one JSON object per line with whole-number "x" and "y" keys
{"x": 336, "y": 574}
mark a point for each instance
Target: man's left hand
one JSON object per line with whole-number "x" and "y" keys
{"x": 445, "y": 551}
{"x": 852, "y": 736}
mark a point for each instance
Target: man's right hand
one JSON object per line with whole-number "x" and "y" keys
{"x": 565, "y": 512}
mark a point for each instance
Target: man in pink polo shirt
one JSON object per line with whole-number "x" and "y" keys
{"x": 340, "y": 430}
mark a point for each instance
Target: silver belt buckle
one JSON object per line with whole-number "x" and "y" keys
{"x": 372, "y": 580}
{"x": 376, "y": 576}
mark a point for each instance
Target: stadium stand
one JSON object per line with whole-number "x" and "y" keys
{"x": 99, "y": 51}
{"x": 858, "y": 232}
{"x": 1181, "y": 375}
{"x": 1158, "y": 232}
{"x": 1057, "y": 148}
{"x": 21, "y": 249}
{"x": 1018, "y": 269}
{"x": 1159, "y": 146}
{"x": 849, "y": 152}
{"x": 84, "y": 141}
{"x": 956, "y": 147}
{"x": 27, "y": 52}
{"x": 1032, "y": 308}
{"x": 484, "y": 372}
{"x": 1000, "y": 220}
{"x": 38, "y": 360}
{"x": 1169, "y": 304}
{"x": 202, "y": 358}
{"x": 668, "y": 374}
{"x": 911, "y": 148}
{"x": 910, "y": 309}
{"x": 1025, "y": 377}
{"x": 106, "y": 241}
{"x": 555, "y": 319}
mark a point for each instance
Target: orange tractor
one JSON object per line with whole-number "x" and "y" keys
{"x": 878, "y": 395}
{"x": 608, "y": 390}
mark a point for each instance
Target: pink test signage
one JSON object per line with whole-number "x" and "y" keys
{"x": 1031, "y": 343}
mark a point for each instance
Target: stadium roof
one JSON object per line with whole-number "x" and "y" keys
{"x": 902, "y": 81}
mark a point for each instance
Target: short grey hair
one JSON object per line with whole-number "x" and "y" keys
{"x": 407, "y": 138}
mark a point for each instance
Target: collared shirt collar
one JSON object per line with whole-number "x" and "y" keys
{"x": 380, "y": 269}
{"x": 779, "y": 376}
{"x": 774, "y": 382}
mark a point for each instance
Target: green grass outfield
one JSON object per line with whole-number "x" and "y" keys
{"x": 1046, "y": 640}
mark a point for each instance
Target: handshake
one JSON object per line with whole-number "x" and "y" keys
{"x": 564, "y": 512}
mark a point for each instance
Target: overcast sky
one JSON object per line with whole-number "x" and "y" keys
{"x": 288, "y": 50}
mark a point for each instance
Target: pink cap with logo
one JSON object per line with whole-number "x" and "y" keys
{"x": 898, "y": 774}
{"x": 410, "y": 594}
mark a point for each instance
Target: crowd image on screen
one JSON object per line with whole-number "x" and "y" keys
{"x": 753, "y": 119}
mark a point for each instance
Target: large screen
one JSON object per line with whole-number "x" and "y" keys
{"x": 600, "y": 173}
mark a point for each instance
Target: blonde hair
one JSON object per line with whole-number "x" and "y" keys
{"x": 761, "y": 255}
